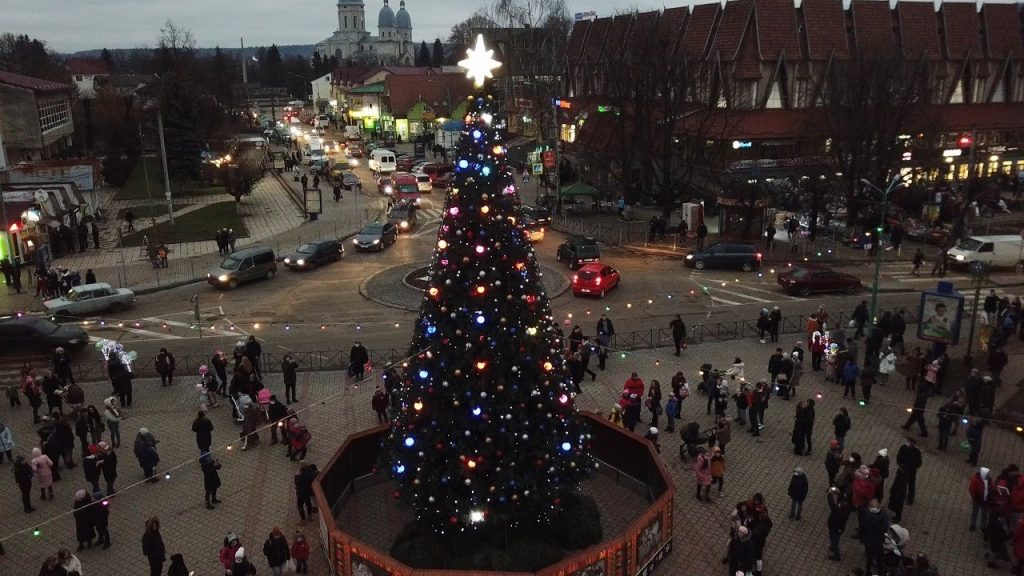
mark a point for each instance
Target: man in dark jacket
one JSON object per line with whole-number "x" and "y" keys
{"x": 775, "y": 364}
{"x": 860, "y": 318}
{"x": 917, "y": 411}
{"x": 254, "y": 351}
{"x": 678, "y": 332}
{"x": 277, "y": 413}
{"x": 276, "y": 550}
{"x": 304, "y": 477}
{"x": 874, "y": 524}
{"x": 839, "y": 514}
{"x": 203, "y": 429}
{"x": 740, "y": 555}
{"x": 357, "y": 359}
{"x": 289, "y": 371}
{"x": 62, "y": 367}
{"x": 165, "y": 364}
{"x": 909, "y": 459}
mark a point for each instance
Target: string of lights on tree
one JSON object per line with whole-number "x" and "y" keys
{"x": 487, "y": 432}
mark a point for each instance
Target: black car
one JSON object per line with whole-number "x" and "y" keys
{"x": 349, "y": 180}
{"x": 577, "y": 251}
{"x": 313, "y": 254}
{"x": 538, "y": 214}
{"x": 376, "y": 236}
{"x": 39, "y": 334}
{"x": 739, "y": 255}
{"x": 403, "y": 216}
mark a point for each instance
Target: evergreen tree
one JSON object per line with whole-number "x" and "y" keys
{"x": 317, "y": 65}
{"x": 181, "y": 107}
{"x": 437, "y": 57}
{"x": 108, "y": 59}
{"x": 423, "y": 55}
{"x": 487, "y": 436}
{"x": 274, "y": 72}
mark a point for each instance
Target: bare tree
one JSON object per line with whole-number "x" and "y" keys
{"x": 867, "y": 103}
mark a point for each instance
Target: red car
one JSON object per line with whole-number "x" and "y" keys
{"x": 404, "y": 163}
{"x": 807, "y": 280}
{"x": 594, "y": 278}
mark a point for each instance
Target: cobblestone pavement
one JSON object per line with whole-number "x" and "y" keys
{"x": 257, "y": 490}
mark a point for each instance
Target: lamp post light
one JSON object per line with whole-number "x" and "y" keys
{"x": 979, "y": 273}
{"x": 896, "y": 183}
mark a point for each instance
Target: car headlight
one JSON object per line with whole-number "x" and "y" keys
{"x": 222, "y": 278}
{"x": 355, "y": 240}
{"x": 960, "y": 257}
{"x": 404, "y": 224}
{"x": 287, "y": 260}
{"x": 388, "y": 190}
{"x": 353, "y": 162}
{"x": 75, "y": 341}
{"x": 689, "y": 256}
{"x": 300, "y": 262}
{"x": 376, "y": 240}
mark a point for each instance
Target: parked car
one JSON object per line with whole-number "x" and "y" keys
{"x": 376, "y": 236}
{"x": 863, "y": 240}
{"x": 90, "y": 299}
{"x": 593, "y": 279}
{"x": 577, "y": 251}
{"x": 725, "y": 255}
{"x": 244, "y": 266}
{"x": 404, "y": 216}
{"x": 807, "y": 280}
{"x": 313, "y": 254}
{"x": 28, "y": 333}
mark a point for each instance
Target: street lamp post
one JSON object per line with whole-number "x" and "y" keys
{"x": 877, "y": 241}
{"x": 979, "y": 273}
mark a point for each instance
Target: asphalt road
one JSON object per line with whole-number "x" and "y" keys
{"x": 323, "y": 309}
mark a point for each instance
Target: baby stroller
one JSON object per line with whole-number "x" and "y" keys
{"x": 692, "y": 439}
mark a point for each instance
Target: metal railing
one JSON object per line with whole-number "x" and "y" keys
{"x": 615, "y": 234}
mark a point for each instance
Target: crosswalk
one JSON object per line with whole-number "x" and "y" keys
{"x": 969, "y": 297}
{"x": 903, "y": 271}
{"x": 160, "y": 328}
{"x": 741, "y": 290}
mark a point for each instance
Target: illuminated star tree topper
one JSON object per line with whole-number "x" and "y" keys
{"x": 479, "y": 62}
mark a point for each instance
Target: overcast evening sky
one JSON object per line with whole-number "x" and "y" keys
{"x": 72, "y": 25}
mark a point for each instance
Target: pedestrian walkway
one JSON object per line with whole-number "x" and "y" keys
{"x": 257, "y": 491}
{"x": 744, "y": 288}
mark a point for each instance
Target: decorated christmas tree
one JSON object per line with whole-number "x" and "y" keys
{"x": 487, "y": 434}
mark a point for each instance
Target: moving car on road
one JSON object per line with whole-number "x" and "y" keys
{"x": 385, "y": 186}
{"x": 577, "y": 251}
{"x": 403, "y": 216}
{"x": 807, "y": 280}
{"x": 90, "y": 299}
{"x": 349, "y": 180}
{"x": 376, "y": 236}
{"x": 244, "y": 266}
{"x": 313, "y": 254}
{"x": 594, "y": 279}
{"x": 406, "y": 187}
{"x": 725, "y": 255}
{"x": 538, "y": 214}
{"x": 533, "y": 229}
{"x": 24, "y": 333}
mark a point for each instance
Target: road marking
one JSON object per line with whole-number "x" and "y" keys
{"x": 141, "y": 332}
{"x": 772, "y": 293}
{"x": 929, "y": 279}
{"x": 741, "y": 295}
{"x": 724, "y": 301}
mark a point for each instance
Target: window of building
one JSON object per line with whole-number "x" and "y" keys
{"x": 346, "y": 22}
{"x": 958, "y": 94}
{"x": 54, "y": 113}
{"x": 803, "y": 93}
{"x": 746, "y": 91}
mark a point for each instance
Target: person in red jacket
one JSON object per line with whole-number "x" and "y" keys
{"x": 300, "y": 553}
{"x": 981, "y": 489}
{"x": 1018, "y": 547}
{"x": 227, "y": 552}
{"x": 632, "y": 392}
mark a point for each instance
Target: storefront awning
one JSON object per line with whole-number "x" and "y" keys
{"x": 579, "y": 189}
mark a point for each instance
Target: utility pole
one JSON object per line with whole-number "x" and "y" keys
{"x": 245, "y": 76}
{"x": 877, "y": 243}
{"x": 163, "y": 159}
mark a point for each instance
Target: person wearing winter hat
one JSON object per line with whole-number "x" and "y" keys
{"x": 153, "y": 547}
{"x": 277, "y": 551}
{"x": 108, "y": 464}
{"x": 652, "y": 437}
{"x": 85, "y": 528}
{"x": 300, "y": 553}
{"x": 227, "y": 552}
{"x": 241, "y": 566}
{"x": 177, "y": 567}
{"x": 740, "y": 554}
{"x": 881, "y": 464}
{"x": 981, "y": 488}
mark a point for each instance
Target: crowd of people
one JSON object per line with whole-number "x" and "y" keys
{"x": 873, "y": 490}
{"x": 69, "y": 416}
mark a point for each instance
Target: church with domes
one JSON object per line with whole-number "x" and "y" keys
{"x": 351, "y": 42}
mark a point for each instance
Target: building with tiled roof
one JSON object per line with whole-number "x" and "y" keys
{"x": 87, "y": 73}
{"x": 416, "y": 101}
{"x": 35, "y": 117}
{"x": 767, "y": 63}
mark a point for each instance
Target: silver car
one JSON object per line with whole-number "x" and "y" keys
{"x": 90, "y": 299}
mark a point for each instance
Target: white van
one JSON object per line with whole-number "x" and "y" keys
{"x": 996, "y": 251}
{"x": 382, "y": 161}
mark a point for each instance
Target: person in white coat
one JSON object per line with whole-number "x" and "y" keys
{"x": 886, "y": 365}
{"x": 6, "y": 443}
{"x": 736, "y": 372}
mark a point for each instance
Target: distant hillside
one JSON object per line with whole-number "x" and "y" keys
{"x": 303, "y": 50}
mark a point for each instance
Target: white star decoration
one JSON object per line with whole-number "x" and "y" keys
{"x": 479, "y": 63}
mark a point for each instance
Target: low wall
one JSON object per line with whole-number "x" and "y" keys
{"x": 627, "y": 458}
